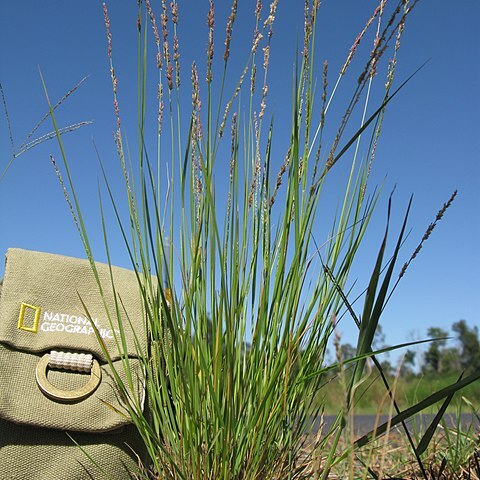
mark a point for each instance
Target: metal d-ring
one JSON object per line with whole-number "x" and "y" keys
{"x": 66, "y": 395}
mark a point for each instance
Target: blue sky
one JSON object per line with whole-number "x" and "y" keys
{"x": 430, "y": 144}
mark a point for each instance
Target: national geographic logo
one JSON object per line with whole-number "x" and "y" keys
{"x": 31, "y": 320}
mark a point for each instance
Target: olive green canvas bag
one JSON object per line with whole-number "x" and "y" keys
{"x": 56, "y": 387}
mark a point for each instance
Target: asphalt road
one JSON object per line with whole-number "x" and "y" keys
{"x": 363, "y": 424}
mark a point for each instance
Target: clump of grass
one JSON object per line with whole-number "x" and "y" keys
{"x": 243, "y": 302}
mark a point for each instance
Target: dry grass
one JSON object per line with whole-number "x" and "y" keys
{"x": 391, "y": 457}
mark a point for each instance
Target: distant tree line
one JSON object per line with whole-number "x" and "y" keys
{"x": 439, "y": 358}
{"x": 463, "y": 356}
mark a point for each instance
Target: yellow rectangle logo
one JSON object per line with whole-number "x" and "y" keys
{"x": 24, "y": 310}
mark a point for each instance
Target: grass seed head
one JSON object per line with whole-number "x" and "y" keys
{"x": 107, "y": 27}
{"x": 210, "y": 48}
{"x": 153, "y": 23}
{"x": 174, "y": 11}
{"x": 229, "y": 29}
{"x": 428, "y": 232}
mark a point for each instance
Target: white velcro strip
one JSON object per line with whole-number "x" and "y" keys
{"x": 78, "y": 362}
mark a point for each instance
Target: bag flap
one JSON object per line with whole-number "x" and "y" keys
{"x": 41, "y": 305}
